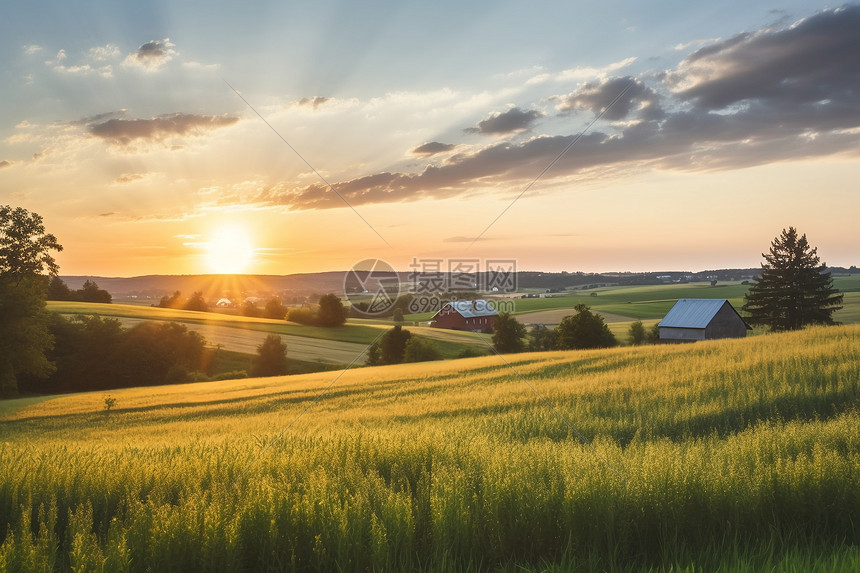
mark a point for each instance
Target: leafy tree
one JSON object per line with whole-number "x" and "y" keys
{"x": 652, "y": 335}
{"x": 390, "y": 349}
{"x": 508, "y": 334}
{"x": 420, "y": 350}
{"x": 794, "y": 288}
{"x": 392, "y": 345}
{"x": 584, "y": 329}
{"x": 58, "y": 290}
{"x": 374, "y": 355}
{"x": 92, "y": 293}
{"x": 331, "y": 311}
{"x": 636, "y": 333}
{"x": 153, "y": 353}
{"x": 271, "y": 359}
{"x": 249, "y": 309}
{"x": 541, "y": 338}
{"x": 196, "y": 302}
{"x": 275, "y": 309}
{"x": 25, "y": 247}
{"x": 175, "y": 300}
{"x": 25, "y": 253}
{"x": 398, "y": 315}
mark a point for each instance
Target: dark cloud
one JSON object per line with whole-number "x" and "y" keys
{"x": 124, "y": 131}
{"x": 815, "y": 60}
{"x": 313, "y": 102}
{"x": 432, "y": 148}
{"x": 5, "y": 163}
{"x": 506, "y": 122}
{"x": 152, "y": 54}
{"x": 615, "y": 97}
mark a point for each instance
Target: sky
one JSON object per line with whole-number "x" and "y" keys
{"x": 284, "y": 137}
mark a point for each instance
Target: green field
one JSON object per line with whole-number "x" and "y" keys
{"x": 737, "y": 455}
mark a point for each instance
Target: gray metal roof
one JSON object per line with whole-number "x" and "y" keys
{"x": 472, "y": 308}
{"x": 693, "y": 312}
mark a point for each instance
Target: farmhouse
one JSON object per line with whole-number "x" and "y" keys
{"x": 701, "y": 319}
{"x": 474, "y": 315}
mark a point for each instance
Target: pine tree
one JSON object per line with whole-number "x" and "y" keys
{"x": 794, "y": 289}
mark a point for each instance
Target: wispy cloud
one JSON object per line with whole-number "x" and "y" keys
{"x": 122, "y": 132}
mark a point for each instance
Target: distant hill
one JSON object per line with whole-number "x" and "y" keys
{"x": 213, "y": 287}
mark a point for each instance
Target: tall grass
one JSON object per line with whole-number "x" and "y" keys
{"x": 736, "y": 455}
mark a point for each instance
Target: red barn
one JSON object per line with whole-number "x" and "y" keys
{"x": 474, "y": 315}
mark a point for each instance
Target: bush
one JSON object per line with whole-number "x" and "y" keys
{"x": 420, "y": 350}
{"x": 304, "y": 316}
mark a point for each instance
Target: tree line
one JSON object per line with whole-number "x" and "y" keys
{"x": 90, "y": 292}
{"x": 328, "y": 312}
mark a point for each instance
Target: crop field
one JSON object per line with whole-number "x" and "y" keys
{"x": 727, "y": 455}
{"x": 650, "y": 303}
{"x": 340, "y": 345}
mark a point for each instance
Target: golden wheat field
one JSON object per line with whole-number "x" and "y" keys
{"x": 731, "y": 455}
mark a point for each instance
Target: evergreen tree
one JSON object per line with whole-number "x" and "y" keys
{"x": 508, "y": 334}
{"x": 584, "y": 329}
{"x": 794, "y": 288}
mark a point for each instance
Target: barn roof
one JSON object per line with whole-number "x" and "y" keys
{"x": 472, "y": 308}
{"x": 694, "y": 312}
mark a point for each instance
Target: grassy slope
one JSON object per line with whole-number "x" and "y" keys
{"x": 742, "y": 450}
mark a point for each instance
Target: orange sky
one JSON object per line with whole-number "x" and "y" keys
{"x": 685, "y": 143}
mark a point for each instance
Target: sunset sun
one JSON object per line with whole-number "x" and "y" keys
{"x": 229, "y": 251}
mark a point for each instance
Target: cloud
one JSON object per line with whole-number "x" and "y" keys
{"x": 99, "y": 117}
{"x": 815, "y": 60}
{"x": 432, "y": 148}
{"x": 583, "y": 73}
{"x": 506, "y": 122}
{"x": 129, "y": 177}
{"x": 616, "y": 97}
{"x": 5, "y": 163}
{"x": 152, "y": 55}
{"x": 95, "y": 56}
{"x": 312, "y": 102}
{"x": 122, "y": 132}
{"x": 32, "y": 49}
{"x": 103, "y": 53}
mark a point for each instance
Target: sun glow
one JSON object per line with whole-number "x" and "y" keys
{"x": 230, "y": 251}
